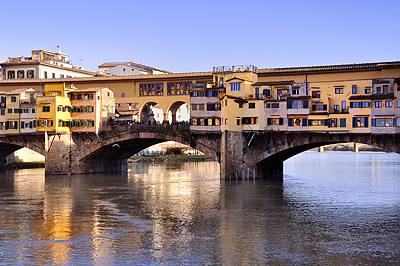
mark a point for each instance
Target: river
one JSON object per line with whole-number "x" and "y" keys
{"x": 332, "y": 208}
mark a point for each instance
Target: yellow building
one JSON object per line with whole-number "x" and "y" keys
{"x": 70, "y": 109}
{"x": 54, "y": 109}
{"x": 241, "y": 107}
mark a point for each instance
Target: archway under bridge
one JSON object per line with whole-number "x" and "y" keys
{"x": 261, "y": 155}
{"x": 109, "y": 151}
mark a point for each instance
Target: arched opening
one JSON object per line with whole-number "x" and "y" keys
{"x": 179, "y": 112}
{"x": 150, "y": 113}
{"x": 11, "y": 153}
{"x": 272, "y": 166}
{"x": 123, "y": 150}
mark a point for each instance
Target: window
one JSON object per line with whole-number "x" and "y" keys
{"x": 354, "y": 89}
{"x": 212, "y": 93}
{"x": 398, "y": 104}
{"x": 378, "y": 104}
{"x": 178, "y": 88}
{"x": 378, "y": 89}
{"x": 360, "y": 121}
{"x": 338, "y": 90}
{"x": 213, "y": 107}
{"x": 240, "y": 105}
{"x": 333, "y": 122}
{"x": 248, "y": 120}
{"x": 297, "y": 121}
{"x": 336, "y": 108}
{"x": 46, "y": 109}
{"x": 194, "y": 107}
{"x": 381, "y": 122}
{"x": 197, "y": 94}
{"x": 20, "y": 74}
{"x": 344, "y": 109}
{"x": 252, "y": 105}
{"x": 316, "y": 94}
{"x": 385, "y": 88}
{"x": 9, "y": 111}
{"x": 3, "y": 112}
{"x": 238, "y": 121}
{"x": 53, "y": 75}
{"x": 388, "y": 103}
{"x": 295, "y": 91}
{"x": 275, "y": 121}
{"x": 316, "y": 122}
{"x": 152, "y": 89}
{"x": 62, "y": 76}
{"x": 365, "y": 104}
{"x": 45, "y": 74}
{"x": 342, "y": 122}
{"x": 297, "y": 104}
{"x": 30, "y": 74}
{"x": 13, "y": 99}
{"x": 235, "y": 86}
{"x": 319, "y": 107}
{"x": 11, "y": 74}
{"x": 367, "y": 91}
{"x": 271, "y": 105}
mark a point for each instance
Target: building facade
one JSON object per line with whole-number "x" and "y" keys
{"x": 43, "y": 65}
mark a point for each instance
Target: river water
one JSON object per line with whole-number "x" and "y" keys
{"x": 331, "y": 209}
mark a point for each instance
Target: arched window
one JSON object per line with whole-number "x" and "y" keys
{"x": 11, "y": 74}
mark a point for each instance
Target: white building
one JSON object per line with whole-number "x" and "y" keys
{"x": 129, "y": 69}
{"x": 43, "y": 65}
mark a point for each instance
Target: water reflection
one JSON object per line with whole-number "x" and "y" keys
{"x": 332, "y": 208}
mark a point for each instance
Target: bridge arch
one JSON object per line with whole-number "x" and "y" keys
{"x": 11, "y": 144}
{"x": 127, "y": 141}
{"x": 270, "y": 161}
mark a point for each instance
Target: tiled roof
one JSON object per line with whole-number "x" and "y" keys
{"x": 329, "y": 68}
{"x": 112, "y": 78}
{"x": 88, "y": 89}
{"x": 273, "y": 83}
{"x": 37, "y": 62}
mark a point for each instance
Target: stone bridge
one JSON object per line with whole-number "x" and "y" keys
{"x": 242, "y": 155}
{"x": 261, "y": 154}
{"x": 109, "y": 150}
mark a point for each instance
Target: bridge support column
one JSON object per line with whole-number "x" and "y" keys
{"x": 273, "y": 170}
{"x": 62, "y": 157}
{"x": 3, "y": 161}
{"x": 236, "y": 161}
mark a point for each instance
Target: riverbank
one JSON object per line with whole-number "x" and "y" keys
{"x": 26, "y": 165}
{"x": 171, "y": 158}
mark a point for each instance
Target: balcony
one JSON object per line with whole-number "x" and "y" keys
{"x": 236, "y": 68}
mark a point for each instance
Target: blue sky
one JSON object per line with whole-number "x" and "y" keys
{"x": 194, "y": 36}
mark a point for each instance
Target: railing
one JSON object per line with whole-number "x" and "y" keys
{"x": 236, "y": 68}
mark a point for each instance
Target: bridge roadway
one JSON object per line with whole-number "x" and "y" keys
{"x": 242, "y": 155}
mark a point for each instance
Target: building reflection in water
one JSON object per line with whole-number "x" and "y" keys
{"x": 184, "y": 214}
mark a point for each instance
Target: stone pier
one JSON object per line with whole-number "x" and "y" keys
{"x": 63, "y": 157}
